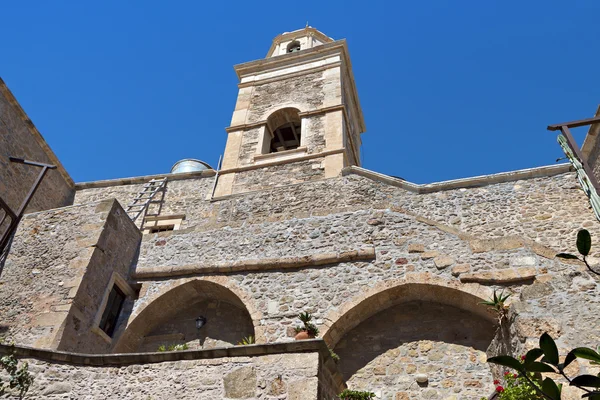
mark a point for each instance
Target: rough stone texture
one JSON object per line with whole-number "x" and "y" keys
{"x": 280, "y": 175}
{"x": 18, "y": 140}
{"x": 58, "y": 258}
{"x": 212, "y": 379}
{"x": 306, "y": 92}
{"x": 352, "y": 213}
{"x": 114, "y": 252}
{"x": 226, "y": 325}
{"x": 386, "y": 352}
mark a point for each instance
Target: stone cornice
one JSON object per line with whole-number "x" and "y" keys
{"x": 36, "y": 134}
{"x": 263, "y": 264}
{"x": 144, "y": 179}
{"x": 290, "y": 75}
{"x": 98, "y": 360}
{"x": 303, "y": 56}
{"x": 283, "y": 161}
{"x": 476, "y": 181}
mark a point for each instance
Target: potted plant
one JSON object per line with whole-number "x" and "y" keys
{"x": 308, "y": 330}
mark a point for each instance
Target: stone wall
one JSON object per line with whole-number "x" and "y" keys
{"x": 447, "y": 345}
{"x": 19, "y": 138}
{"x": 226, "y": 325}
{"x": 306, "y": 92}
{"x": 60, "y": 258}
{"x": 449, "y": 249}
{"x": 296, "y": 372}
{"x": 280, "y": 175}
{"x": 115, "y": 251}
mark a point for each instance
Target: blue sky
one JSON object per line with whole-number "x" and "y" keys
{"x": 449, "y": 89}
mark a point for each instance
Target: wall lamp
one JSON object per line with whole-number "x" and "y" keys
{"x": 200, "y": 322}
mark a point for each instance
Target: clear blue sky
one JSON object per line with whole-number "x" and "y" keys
{"x": 449, "y": 89}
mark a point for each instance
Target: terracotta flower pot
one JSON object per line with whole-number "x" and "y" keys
{"x": 303, "y": 335}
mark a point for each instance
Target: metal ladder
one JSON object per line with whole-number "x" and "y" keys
{"x": 135, "y": 208}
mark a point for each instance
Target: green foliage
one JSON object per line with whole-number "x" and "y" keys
{"x": 173, "y": 347}
{"x": 19, "y": 377}
{"x": 518, "y": 388}
{"x": 356, "y": 395}
{"x": 497, "y": 303}
{"x": 246, "y": 341}
{"x": 333, "y": 355}
{"x": 550, "y": 362}
{"x": 308, "y": 326}
{"x": 584, "y": 245}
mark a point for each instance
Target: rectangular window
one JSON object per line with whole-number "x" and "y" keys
{"x": 161, "y": 228}
{"x": 112, "y": 310}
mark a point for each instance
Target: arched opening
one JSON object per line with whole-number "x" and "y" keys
{"x": 171, "y": 319}
{"x": 293, "y": 46}
{"x": 284, "y": 129}
{"x": 393, "y": 336}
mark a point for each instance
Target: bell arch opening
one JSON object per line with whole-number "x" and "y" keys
{"x": 413, "y": 331}
{"x": 283, "y": 131}
{"x": 200, "y": 314}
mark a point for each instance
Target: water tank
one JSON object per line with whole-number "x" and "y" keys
{"x": 189, "y": 165}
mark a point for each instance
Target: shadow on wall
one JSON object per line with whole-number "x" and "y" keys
{"x": 416, "y": 341}
{"x": 171, "y": 319}
{"x": 226, "y": 324}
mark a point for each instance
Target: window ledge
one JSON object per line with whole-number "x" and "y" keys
{"x": 280, "y": 155}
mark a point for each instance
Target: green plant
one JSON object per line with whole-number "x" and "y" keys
{"x": 584, "y": 245}
{"x": 550, "y": 363}
{"x": 356, "y": 395}
{"x": 333, "y": 355}
{"x": 515, "y": 388}
{"x": 308, "y": 326}
{"x": 246, "y": 341}
{"x": 173, "y": 347}
{"x": 497, "y": 303}
{"x": 19, "y": 377}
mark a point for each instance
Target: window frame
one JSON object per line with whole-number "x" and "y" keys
{"x": 115, "y": 280}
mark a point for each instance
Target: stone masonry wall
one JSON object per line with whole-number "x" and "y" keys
{"x": 501, "y": 236}
{"x": 115, "y": 251}
{"x": 292, "y": 376}
{"x": 226, "y": 325}
{"x": 42, "y": 274}
{"x": 18, "y": 140}
{"x": 280, "y": 175}
{"x": 306, "y": 92}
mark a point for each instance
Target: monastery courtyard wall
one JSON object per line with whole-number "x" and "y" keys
{"x": 382, "y": 269}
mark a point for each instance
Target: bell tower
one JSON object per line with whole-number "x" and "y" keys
{"x": 297, "y": 116}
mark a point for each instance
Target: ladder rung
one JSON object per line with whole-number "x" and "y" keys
{"x": 136, "y": 205}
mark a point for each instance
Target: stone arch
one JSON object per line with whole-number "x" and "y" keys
{"x": 176, "y": 297}
{"x": 424, "y": 325}
{"x": 425, "y": 287}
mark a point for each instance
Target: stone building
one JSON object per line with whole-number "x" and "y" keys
{"x": 96, "y": 281}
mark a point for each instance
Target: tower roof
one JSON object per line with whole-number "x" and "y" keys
{"x": 307, "y": 37}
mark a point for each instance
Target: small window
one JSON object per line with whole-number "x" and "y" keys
{"x": 111, "y": 313}
{"x": 161, "y": 228}
{"x": 293, "y": 47}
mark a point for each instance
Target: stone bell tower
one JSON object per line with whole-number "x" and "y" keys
{"x": 297, "y": 116}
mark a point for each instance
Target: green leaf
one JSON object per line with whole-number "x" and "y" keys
{"x": 549, "y": 348}
{"x": 507, "y": 361}
{"x": 568, "y": 360}
{"x": 592, "y": 396}
{"x": 533, "y": 355}
{"x": 584, "y": 242}
{"x": 586, "y": 381}
{"x": 587, "y": 353}
{"x": 568, "y": 256}
{"x": 550, "y": 388}
{"x": 539, "y": 367}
